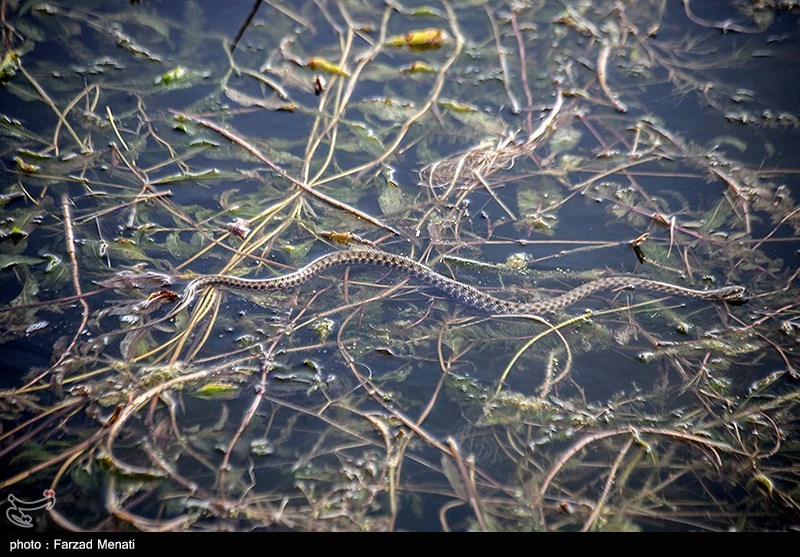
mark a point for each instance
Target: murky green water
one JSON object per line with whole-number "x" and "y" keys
{"x": 522, "y": 148}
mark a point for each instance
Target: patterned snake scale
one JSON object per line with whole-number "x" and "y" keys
{"x": 464, "y": 293}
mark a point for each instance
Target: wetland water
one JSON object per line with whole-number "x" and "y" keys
{"x": 523, "y": 148}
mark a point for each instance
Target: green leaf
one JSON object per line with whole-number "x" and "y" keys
{"x": 178, "y": 78}
{"x": 268, "y": 103}
{"x": 127, "y": 249}
{"x": 7, "y": 260}
{"x": 184, "y": 176}
{"x": 261, "y": 447}
{"x": 218, "y": 391}
{"x": 30, "y": 289}
{"x": 14, "y": 128}
{"x": 173, "y": 76}
{"x": 177, "y": 247}
{"x": 157, "y": 24}
{"x": 127, "y": 43}
{"x": 542, "y": 197}
{"x": 55, "y": 271}
{"x": 391, "y": 199}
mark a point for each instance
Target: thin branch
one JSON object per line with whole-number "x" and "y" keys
{"x": 245, "y": 25}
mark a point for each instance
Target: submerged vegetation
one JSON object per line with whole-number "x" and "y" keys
{"x": 522, "y": 147}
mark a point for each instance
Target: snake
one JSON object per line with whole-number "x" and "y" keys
{"x": 465, "y": 293}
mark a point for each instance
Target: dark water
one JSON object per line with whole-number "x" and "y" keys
{"x": 355, "y": 402}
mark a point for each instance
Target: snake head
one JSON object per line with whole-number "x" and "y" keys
{"x": 734, "y": 295}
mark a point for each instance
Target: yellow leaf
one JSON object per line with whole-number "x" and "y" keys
{"x": 343, "y": 238}
{"x": 419, "y": 67}
{"x": 422, "y": 38}
{"x": 324, "y": 66}
{"x": 458, "y": 107}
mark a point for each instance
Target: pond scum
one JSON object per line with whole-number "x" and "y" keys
{"x": 476, "y": 137}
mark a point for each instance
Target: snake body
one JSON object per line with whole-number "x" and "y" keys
{"x": 465, "y": 293}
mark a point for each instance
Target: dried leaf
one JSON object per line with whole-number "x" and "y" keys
{"x": 341, "y": 238}
{"x": 26, "y": 168}
{"x": 239, "y": 228}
